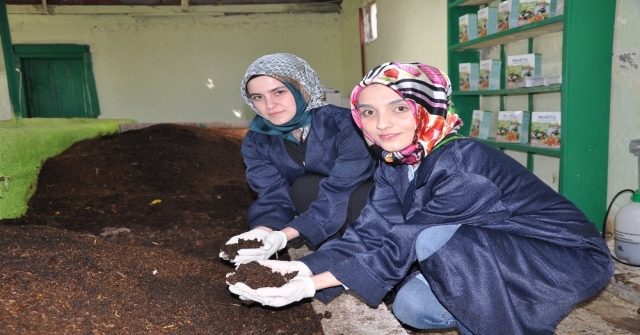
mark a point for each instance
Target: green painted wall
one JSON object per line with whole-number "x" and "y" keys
{"x": 24, "y": 148}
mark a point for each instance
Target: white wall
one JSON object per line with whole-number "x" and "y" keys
{"x": 5, "y": 104}
{"x": 421, "y": 36}
{"x": 351, "y": 52}
{"x": 156, "y": 69}
{"x": 410, "y": 31}
{"x": 625, "y": 102}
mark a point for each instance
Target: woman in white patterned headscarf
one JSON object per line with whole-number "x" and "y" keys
{"x": 305, "y": 159}
{"x": 499, "y": 251}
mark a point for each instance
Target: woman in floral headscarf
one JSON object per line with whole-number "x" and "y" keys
{"x": 305, "y": 159}
{"x": 499, "y": 251}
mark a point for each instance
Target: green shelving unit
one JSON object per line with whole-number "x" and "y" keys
{"x": 587, "y": 33}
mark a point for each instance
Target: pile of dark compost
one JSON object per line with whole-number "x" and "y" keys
{"x": 122, "y": 236}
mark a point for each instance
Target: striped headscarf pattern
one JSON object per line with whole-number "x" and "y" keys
{"x": 427, "y": 90}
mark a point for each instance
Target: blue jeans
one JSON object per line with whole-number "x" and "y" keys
{"x": 415, "y": 304}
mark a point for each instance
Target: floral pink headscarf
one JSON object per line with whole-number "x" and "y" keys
{"x": 428, "y": 92}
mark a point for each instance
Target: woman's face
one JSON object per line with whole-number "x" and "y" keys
{"x": 272, "y": 99}
{"x": 386, "y": 117}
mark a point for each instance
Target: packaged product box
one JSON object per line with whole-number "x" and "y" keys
{"x": 481, "y": 124}
{"x": 503, "y": 16}
{"x": 545, "y": 129}
{"x": 553, "y": 80}
{"x": 486, "y": 125}
{"x": 533, "y": 82}
{"x": 476, "y": 119}
{"x": 467, "y": 27}
{"x": 513, "y": 126}
{"x": 489, "y": 74}
{"x": 530, "y": 11}
{"x": 542, "y": 81}
{"x": 519, "y": 67}
{"x": 487, "y": 21}
{"x": 468, "y": 76}
{"x": 513, "y": 13}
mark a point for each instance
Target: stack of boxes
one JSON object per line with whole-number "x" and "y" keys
{"x": 521, "y": 71}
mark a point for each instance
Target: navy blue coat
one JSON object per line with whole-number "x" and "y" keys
{"x": 335, "y": 148}
{"x": 522, "y": 258}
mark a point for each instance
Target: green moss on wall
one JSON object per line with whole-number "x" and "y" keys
{"x": 24, "y": 148}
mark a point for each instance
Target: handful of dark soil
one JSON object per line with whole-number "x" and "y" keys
{"x": 232, "y": 249}
{"x": 256, "y": 275}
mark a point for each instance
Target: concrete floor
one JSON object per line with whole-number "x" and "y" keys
{"x": 615, "y": 310}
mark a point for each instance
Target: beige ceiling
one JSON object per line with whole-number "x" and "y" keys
{"x": 170, "y": 2}
{"x": 171, "y": 7}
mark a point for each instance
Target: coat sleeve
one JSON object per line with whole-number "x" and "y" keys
{"x": 353, "y": 166}
{"x": 445, "y": 202}
{"x": 273, "y": 208}
{"x": 376, "y": 254}
{"x": 513, "y": 227}
{"x": 365, "y": 235}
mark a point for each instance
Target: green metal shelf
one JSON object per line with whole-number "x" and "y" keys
{"x": 547, "y": 151}
{"x": 587, "y": 43}
{"x": 469, "y": 3}
{"x": 531, "y": 30}
{"x": 514, "y": 91}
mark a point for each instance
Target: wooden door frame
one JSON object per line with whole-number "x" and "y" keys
{"x": 57, "y": 51}
{"x": 12, "y": 75}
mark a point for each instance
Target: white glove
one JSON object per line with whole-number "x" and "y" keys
{"x": 273, "y": 242}
{"x": 298, "y": 288}
{"x": 254, "y": 234}
{"x": 287, "y": 267}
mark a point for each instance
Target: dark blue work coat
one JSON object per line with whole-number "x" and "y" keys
{"x": 335, "y": 148}
{"x": 522, "y": 258}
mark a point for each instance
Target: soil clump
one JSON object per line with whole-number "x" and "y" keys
{"x": 256, "y": 276}
{"x": 122, "y": 236}
{"x": 231, "y": 250}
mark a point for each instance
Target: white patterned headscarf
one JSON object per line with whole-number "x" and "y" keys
{"x": 290, "y": 69}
